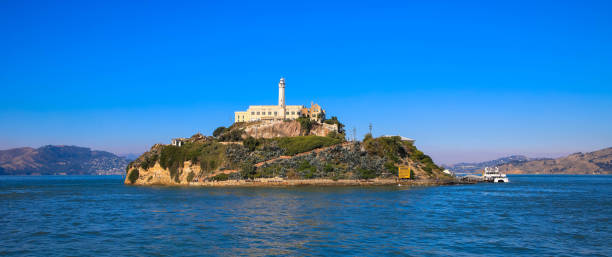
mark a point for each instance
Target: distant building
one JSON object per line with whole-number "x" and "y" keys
{"x": 281, "y": 111}
{"x": 178, "y": 141}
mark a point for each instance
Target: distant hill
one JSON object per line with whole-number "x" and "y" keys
{"x": 473, "y": 167}
{"x": 597, "y": 162}
{"x": 54, "y": 160}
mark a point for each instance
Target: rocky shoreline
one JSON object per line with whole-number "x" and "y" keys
{"x": 271, "y": 182}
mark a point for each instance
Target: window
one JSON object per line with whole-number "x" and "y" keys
{"x": 275, "y": 113}
{"x": 269, "y": 113}
{"x": 252, "y": 113}
{"x": 292, "y": 113}
{"x": 287, "y": 113}
{"x": 257, "y": 113}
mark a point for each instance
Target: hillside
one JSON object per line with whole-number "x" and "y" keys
{"x": 235, "y": 155}
{"x": 597, "y": 162}
{"x": 53, "y": 160}
{"x": 477, "y": 167}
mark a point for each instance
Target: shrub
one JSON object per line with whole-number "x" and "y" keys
{"x": 336, "y": 135}
{"x": 149, "y": 161}
{"x": 220, "y": 177}
{"x": 366, "y": 173}
{"x": 218, "y": 131}
{"x": 247, "y": 171}
{"x": 250, "y": 143}
{"x": 234, "y": 135}
{"x": 305, "y": 124}
{"x": 133, "y": 176}
{"x": 190, "y": 176}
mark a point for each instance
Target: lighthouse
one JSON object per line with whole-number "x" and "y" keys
{"x": 281, "y": 96}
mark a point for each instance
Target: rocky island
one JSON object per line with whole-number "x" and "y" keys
{"x": 290, "y": 152}
{"x": 283, "y": 145}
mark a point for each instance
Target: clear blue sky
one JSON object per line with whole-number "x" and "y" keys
{"x": 469, "y": 80}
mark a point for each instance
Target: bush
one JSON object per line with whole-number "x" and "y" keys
{"x": 295, "y": 145}
{"x": 366, "y": 174}
{"x": 250, "y": 143}
{"x": 233, "y": 135}
{"x": 219, "y": 131}
{"x": 247, "y": 171}
{"x": 208, "y": 155}
{"x": 149, "y": 161}
{"x": 133, "y": 176}
{"x": 336, "y": 135}
{"x": 220, "y": 177}
{"x": 305, "y": 124}
{"x": 190, "y": 176}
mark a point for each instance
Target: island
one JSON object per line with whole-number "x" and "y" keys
{"x": 284, "y": 145}
{"x": 251, "y": 153}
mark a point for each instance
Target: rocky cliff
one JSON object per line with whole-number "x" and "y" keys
{"x": 597, "y": 162}
{"x": 291, "y": 128}
{"x": 52, "y": 160}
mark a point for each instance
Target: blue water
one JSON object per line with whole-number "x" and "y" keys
{"x": 81, "y": 215}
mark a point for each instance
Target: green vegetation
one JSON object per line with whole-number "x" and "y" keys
{"x": 190, "y": 176}
{"x": 219, "y": 131}
{"x": 133, "y": 176}
{"x": 247, "y": 171}
{"x": 336, "y": 135}
{"x": 231, "y": 135}
{"x": 305, "y": 124}
{"x": 209, "y": 155}
{"x": 307, "y": 170}
{"x": 220, "y": 177}
{"x": 250, "y": 143}
{"x": 295, "y": 145}
{"x": 334, "y": 120}
{"x": 149, "y": 161}
{"x": 393, "y": 148}
{"x": 366, "y": 173}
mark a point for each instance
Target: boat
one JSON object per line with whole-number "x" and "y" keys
{"x": 493, "y": 175}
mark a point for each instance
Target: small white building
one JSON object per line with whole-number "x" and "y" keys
{"x": 178, "y": 141}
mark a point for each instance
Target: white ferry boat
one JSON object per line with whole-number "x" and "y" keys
{"x": 493, "y": 175}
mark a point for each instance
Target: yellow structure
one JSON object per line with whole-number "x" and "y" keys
{"x": 404, "y": 172}
{"x": 281, "y": 111}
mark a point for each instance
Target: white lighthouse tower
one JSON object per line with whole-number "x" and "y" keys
{"x": 281, "y": 96}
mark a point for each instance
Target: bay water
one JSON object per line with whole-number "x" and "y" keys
{"x": 99, "y": 215}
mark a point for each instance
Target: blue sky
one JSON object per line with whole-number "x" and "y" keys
{"x": 469, "y": 80}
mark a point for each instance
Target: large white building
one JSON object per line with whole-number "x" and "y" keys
{"x": 279, "y": 112}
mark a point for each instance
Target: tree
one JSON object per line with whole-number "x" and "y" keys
{"x": 334, "y": 120}
{"x": 133, "y": 176}
{"x": 250, "y": 143}
{"x": 219, "y": 131}
{"x": 247, "y": 171}
{"x": 305, "y": 124}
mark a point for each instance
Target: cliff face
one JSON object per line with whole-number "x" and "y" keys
{"x": 69, "y": 160}
{"x": 287, "y": 129}
{"x": 598, "y": 162}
